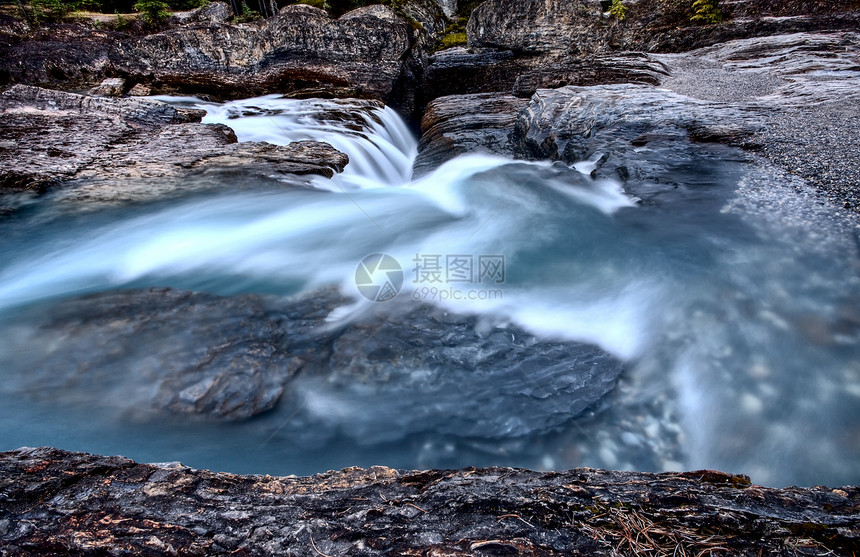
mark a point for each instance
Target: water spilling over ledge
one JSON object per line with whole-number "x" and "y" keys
{"x": 740, "y": 347}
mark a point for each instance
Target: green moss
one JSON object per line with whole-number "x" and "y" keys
{"x": 454, "y": 39}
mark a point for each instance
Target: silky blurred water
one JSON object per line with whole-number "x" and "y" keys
{"x": 734, "y": 303}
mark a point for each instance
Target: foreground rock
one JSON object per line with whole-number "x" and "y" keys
{"x": 235, "y": 357}
{"x": 113, "y": 149}
{"x": 57, "y": 502}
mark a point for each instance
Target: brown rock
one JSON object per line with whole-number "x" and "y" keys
{"x": 53, "y": 501}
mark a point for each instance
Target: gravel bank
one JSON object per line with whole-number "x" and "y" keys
{"x": 805, "y": 91}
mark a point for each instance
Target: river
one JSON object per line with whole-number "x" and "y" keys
{"x": 734, "y": 303}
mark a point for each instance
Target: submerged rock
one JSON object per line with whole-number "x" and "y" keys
{"x": 110, "y": 150}
{"x": 56, "y": 501}
{"x": 158, "y": 349}
{"x": 161, "y": 349}
{"x": 476, "y": 379}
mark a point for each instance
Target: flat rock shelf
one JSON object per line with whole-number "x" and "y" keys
{"x": 53, "y": 501}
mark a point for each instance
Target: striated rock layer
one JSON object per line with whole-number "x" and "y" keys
{"x": 57, "y": 502}
{"x": 302, "y": 51}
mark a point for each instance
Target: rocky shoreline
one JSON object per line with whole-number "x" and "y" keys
{"x": 73, "y": 503}
{"x": 555, "y": 81}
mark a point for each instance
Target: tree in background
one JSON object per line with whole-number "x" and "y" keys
{"x": 618, "y": 10}
{"x": 706, "y": 11}
{"x": 245, "y": 8}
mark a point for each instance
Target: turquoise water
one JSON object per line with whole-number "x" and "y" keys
{"x": 734, "y": 302}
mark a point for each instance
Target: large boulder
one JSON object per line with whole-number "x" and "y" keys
{"x": 527, "y": 26}
{"x": 460, "y": 124}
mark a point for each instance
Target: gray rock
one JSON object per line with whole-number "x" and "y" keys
{"x": 429, "y": 15}
{"x": 140, "y": 90}
{"x": 171, "y": 350}
{"x": 556, "y": 43}
{"x": 778, "y": 96}
{"x": 460, "y": 124}
{"x": 301, "y": 51}
{"x": 113, "y": 149}
{"x": 580, "y": 27}
{"x": 526, "y": 26}
{"x": 448, "y": 6}
{"x": 56, "y": 501}
{"x": 514, "y": 385}
{"x": 212, "y": 13}
{"x": 464, "y": 71}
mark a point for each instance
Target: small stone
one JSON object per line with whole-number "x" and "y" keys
{"x": 140, "y": 90}
{"x": 110, "y": 87}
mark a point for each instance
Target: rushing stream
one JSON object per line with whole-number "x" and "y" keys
{"x": 735, "y": 307}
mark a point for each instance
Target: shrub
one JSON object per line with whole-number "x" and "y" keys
{"x": 50, "y": 10}
{"x": 153, "y": 11}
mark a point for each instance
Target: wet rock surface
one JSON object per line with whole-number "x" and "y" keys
{"x": 112, "y": 150}
{"x": 233, "y": 357}
{"x": 75, "y": 503}
{"x": 461, "y": 124}
{"x": 471, "y": 70}
{"x": 164, "y": 349}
